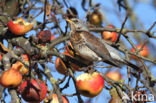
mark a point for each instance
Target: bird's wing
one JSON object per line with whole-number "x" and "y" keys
{"x": 117, "y": 56}
{"x": 113, "y": 52}
{"x": 98, "y": 47}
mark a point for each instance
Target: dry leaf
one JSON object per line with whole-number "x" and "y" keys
{"x": 3, "y": 47}
{"x": 48, "y": 9}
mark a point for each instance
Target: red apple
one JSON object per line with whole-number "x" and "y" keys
{"x": 1, "y": 57}
{"x": 90, "y": 84}
{"x": 144, "y": 52}
{"x": 111, "y": 36}
{"x": 19, "y": 26}
{"x": 11, "y": 78}
{"x": 55, "y": 99}
{"x": 52, "y": 37}
{"x": 33, "y": 90}
{"x": 114, "y": 75}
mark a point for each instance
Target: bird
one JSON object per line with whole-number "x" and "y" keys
{"x": 92, "y": 48}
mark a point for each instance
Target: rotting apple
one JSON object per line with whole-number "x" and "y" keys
{"x": 114, "y": 75}
{"x": 19, "y": 26}
{"x": 61, "y": 67}
{"x": 33, "y": 90}
{"x": 144, "y": 52}
{"x": 54, "y": 99}
{"x": 90, "y": 84}
{"x": 20, "y": 67}
{"x": 11, "y": 78}
{"x": 45, "y": 36}
{"x": 95, "y": 18}
{"x": 110, "y": 36}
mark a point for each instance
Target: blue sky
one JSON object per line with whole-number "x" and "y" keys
{"x": 145, "y": 12}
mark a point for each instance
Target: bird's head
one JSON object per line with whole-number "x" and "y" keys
{"x": 77, "y": 24}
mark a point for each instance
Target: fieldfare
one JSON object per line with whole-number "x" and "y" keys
{"x": 92, "y": 48}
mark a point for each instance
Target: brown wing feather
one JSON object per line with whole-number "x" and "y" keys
{"x": 95, "y": 42}
{"x": 98, "y": 47}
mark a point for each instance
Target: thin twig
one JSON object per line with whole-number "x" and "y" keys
{"x": 123, "y": 24}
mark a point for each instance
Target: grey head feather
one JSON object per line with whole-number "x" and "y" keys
{"x": 78, "y": 25}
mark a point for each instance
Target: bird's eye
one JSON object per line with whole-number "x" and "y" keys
{"x": 79, "y": 27}
{"x": 76, "y": 21}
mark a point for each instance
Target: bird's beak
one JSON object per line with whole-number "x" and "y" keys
{"x": 71, "y": 22}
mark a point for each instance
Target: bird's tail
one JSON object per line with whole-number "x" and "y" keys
{"x": 132, "y": 65}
